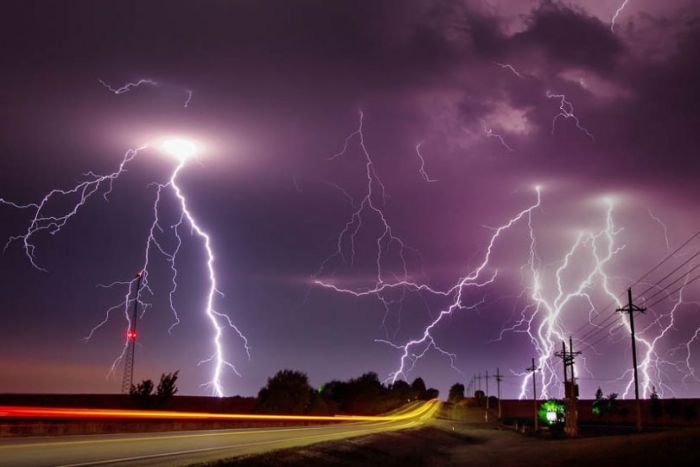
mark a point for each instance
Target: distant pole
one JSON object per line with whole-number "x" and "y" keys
{"x": 571, "y": 356}
{"x": 533, "y": 370}
{"x": 498, "y": 390}
{"x": 572, "y": 418}
{"x": 486, "y": 414}
{"x": 563, "y": 350}
{"x": 631, "y": 308}
{"x": 128, "y": 378}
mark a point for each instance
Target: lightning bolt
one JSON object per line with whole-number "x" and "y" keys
{"x": 43, "y": 220}
{"x": 369, "y": 207}
{"x": 544, "y": 319}
{"x": 458, "y": 296}
{"x": 510, "y": 68}
{"x": 566, "y": 111}
{"x": 422, "y": 171}
{"x": 617, "y": 13}
{"x": 488, "y": 131}
{"x": 126, "y": 87}
{"x": 653, "y": 366}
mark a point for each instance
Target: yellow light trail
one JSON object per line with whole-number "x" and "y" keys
{"x": 62, "y": 412}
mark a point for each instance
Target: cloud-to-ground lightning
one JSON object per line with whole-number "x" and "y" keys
{"x": 543, "y": 319}
{"x": 45, "y": 220}
{"x": 414, "y": 349}
{"x": 566, "y": 111}
{"x": 370, "y": 206}
{"x": 554, "y": 301}
{"x": 421, "y": 170}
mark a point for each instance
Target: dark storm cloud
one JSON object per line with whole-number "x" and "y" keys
{"x": 570, "y": 36}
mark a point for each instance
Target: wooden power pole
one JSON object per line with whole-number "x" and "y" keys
{"x": 533, "y": 370}
{"x": 631, "y": 308}
{"x": 498, "y": 377}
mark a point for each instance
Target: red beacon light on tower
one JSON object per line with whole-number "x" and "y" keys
{"x": 131, "y": 334}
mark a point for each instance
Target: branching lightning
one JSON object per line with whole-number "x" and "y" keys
{"x": 488, "y": 131}
{"x": 43, "y": 220}
{"x": 126, "y": 87}
{"x": 554, "y": 300}
{"x": 458, "y": 295}
{"x": 566, "y": 111}
{"x": 543, "y": 319}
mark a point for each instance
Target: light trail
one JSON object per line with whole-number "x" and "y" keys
{"x": 62, "y": 412}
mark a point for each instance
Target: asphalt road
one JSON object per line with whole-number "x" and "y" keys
{"x": 184, "y": 448}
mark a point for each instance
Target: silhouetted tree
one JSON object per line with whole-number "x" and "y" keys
{"x": 456, "y": 393}
{"x": 141, "y": 393}
{"x": 656, "y": 407}
{"x": 599, "y": 394}
{"x": 612, "y": 405}
{"x": 605, "y": 406}
{"x": 402, "y": 391}
{"x": 431, "y": 393}
{"x": 288, "y": 391}
{"x": 418, "y": 386}
{"x": 166, "y": 387}
{"x": 320, "y": 405}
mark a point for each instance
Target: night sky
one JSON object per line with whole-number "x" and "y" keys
{"x": 276, "y": 88}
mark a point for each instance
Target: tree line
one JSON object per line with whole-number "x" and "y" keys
{"x": 289, "y": 392}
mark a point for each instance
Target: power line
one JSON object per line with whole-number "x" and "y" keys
{"x": 600, "y": 326}
{"x": 682, "y": 276}
{"x": 669, "y": 274}
{"x": 676, "y": 290}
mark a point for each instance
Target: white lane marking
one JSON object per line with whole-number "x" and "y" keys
{"x": 193, "y": 451}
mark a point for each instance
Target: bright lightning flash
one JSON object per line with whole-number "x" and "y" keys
{"x": 181, "y": 150}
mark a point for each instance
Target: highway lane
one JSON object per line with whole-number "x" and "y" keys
{"x": 183, "y": 448}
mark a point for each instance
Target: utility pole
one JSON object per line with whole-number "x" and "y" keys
{"x": 128, "y": 378}
{"x": 572, "y": 356}
{"x": 570, "y": 387}
{"x": 533, "y": 370}
{"x": 498, "y": 390}
{"x": 631, "y": 308}
{"x": 486, "y": 414}
{"x": 562, "y": 355}
{"x": 478, "y": 382}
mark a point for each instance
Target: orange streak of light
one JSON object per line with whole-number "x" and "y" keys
{"x": 58, "y": 412}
